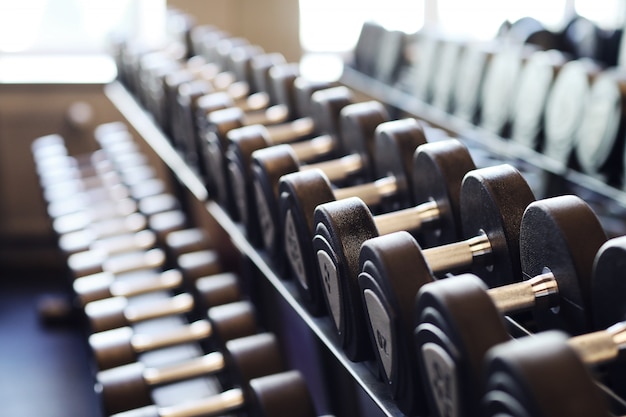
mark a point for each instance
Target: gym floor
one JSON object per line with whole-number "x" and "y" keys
{"x": 44, "y": 367}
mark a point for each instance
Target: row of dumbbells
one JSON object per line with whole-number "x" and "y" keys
{"x": 568, "y": 109}
{"x": 485, "y": 206}
{"x": 169, "y": 327}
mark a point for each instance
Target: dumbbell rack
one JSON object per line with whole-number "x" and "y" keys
{"x": 321, "y": 327}
{"x": 405, "y": 102}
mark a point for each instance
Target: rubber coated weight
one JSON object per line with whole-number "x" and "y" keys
{"x": 343, "y": 226}
{"x": 535, "y": 83}
{"x": 540, "y": 377}
{"x": 358, "y": 132}
{"x": 565, "y": 108}
{"x": 608, "y": 286}
{"x": 498, "y": 87}
{"x": 122, "y": 346}
{"x": 301, "y": 192}
{"x": 562, "y": 236}
{"x": 129, "y": 386}
{"x": 469, "y": 80}
{"x": 446, "y": 74}
{"x": 600, "y": 137}
{"x": 427, "y": 51}
{"x": 458, "y": 319}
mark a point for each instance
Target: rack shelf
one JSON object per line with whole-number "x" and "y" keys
{"x": 503, "y": 148}
{"x": 321, "y": 327}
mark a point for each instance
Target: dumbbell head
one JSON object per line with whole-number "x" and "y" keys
{"x": 121, "y": 346}
{"x": 540, "y": 376}
{"x": 129, "y": 386}
{"x": 562, "y": 236}
{"x": 608, "y": 287}
{"x": 458, "y": 320}
{"x": 300, "y": 193}
{"x": 343, "y": 226}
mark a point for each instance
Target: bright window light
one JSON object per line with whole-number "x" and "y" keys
{"x": 481, "y": 19}
{"x": 334, "y": 25}
{"x": 73, "y": 26}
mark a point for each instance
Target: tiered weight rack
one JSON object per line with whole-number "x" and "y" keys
{"x": 613, "y": 201}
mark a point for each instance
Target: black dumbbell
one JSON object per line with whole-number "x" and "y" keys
{"x": 130, "y": 386}
{"x": 122, "y": 346}
{"x": 106, "y": 285}
{"x": 358, "y": 123}
{"x": 279, "y": 395}
{"x": 300, "y": 193}
{"x": 341, "y": 227}
{"x": 325, "y": 107}
{"x": 548, "y": 375}
{"x": 458, "y": 319}
{"x": 115, "y": 312}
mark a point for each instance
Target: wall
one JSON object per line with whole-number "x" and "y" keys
{"x": 272, "y": 24}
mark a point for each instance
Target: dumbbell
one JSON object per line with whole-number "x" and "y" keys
{"x": 548, "y": 376}
{"x": 283, "y": 394}
{"x": 325, "y": 106}
{"x": 358, "y": 123}
{"x": 129, "y": 386}
{"x": 342, "y": 226}
{"x": 122, "y": 346}
{"x": 458, "y": 319}
{"x": 112, "y": 312}
{"x": 300, "y": 193}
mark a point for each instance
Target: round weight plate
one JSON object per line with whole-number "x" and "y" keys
{"x": 243, "y": 142}
{"x": 253, "y": 356}
{"x": 608, "y": 287}
{"x": 540, "y": 376}
{"x": 602, "y": 127}
{"x": 341, "y": 227}
{"x": 280, "y": 395}
{"x": 498, "y": 87}
{"x": 533, "y": 88}
{"x": 562, "y": 235}
{"x": 392, "y": 271}
{"x": 438, "y": 172}
{"x": 493, "y": 201}
{"x": 395, "y": 144}
{"x": 358, "y": 123}
{"x": 282, "y": 79}
{"x": 300, "y": 193}
{"x": 303, "y": 91}
{"x": 457, "y": 323}
{"x": 326, "y": 106}
{"x": 565, "y": 109}
{"x": 427, "y": 57}
{"x": 261, "y": 65}
{"x": 469, "y": 80}
{"x": 581, "y": 38}
{"x": 123, "y": 388}
{"x": 268, "y": 165}
{"x": 446, "y": 73}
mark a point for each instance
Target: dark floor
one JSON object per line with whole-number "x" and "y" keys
{"x": 44, "y": 369}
